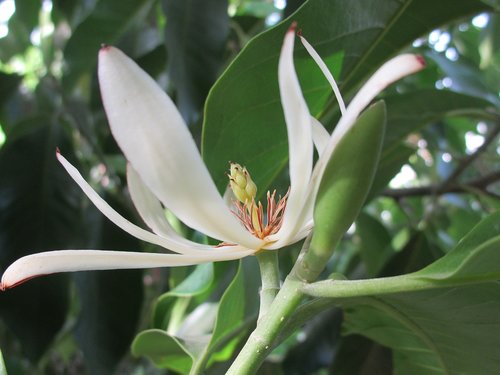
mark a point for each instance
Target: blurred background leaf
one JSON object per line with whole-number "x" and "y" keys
{"x": 197, "y": 31}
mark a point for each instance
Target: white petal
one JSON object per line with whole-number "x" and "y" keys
{"x": 183, "y": 247}
{"x": 50, "y": 262}
{"x": 147, "y": 205}
{"x": 154, "y": 138}
{"x": 320, "y": 135}
{"x": 326, "y": 72}
{"x": 300, "y": 144}
{"x": 393, "y": 70}
{"x": 151, "y": 211}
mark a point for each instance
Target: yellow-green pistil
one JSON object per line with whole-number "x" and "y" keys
{"x": 251, "y": 214}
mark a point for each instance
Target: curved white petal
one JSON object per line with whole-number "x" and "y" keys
{"x": 393, "y": 70}
{"x": 50, "y": 262}
{"x": 320, "y": 135}
{"x": 147, "y": 205}
{"x": 170, "y": 243}
{"x": 300, "y": 144}
{"x": 151, "y": 211}
{"x": 154, "y": 138}
{"x": 326, "y": 72}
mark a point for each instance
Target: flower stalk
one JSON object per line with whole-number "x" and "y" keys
{"x": 270, "y": 276}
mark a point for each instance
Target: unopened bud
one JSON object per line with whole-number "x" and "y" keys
{"x": 241, "y": 183}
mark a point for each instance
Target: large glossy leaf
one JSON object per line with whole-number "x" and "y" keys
{"x": 106, "y": 23}
{"x": 195, "y": 35}
{"x": 442, "y": 319}
{"x": 244, "y": 120}
{"x": 38, "y": 211}
{"x": 446, "y": 331}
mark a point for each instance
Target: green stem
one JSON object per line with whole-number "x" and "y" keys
{"x": 262, "y": 340}
{"x": 270, "y": 275}
{"x": 317, "y": 250}
{"x": 373, "y": 287}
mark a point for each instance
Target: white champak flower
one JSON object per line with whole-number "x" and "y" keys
{"x": 165, "y": 169}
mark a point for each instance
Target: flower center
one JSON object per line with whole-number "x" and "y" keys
{"x": 251, "y": 214}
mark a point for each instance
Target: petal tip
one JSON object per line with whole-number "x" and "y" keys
{"x": 292, "y": 27}
{"x": 105, "y": 47}
{"x": 6, "y": 285}
{"x": 421, "y": 60}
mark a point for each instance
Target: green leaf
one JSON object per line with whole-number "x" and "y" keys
{"x": 229, "y": 320}
{"x": 429, "y": 318}
{"x": 231, "y": 310}
{"x": 163, "y": 350}
{"x": 107, "y": 22}
{"x": 243, "y": 115}
{"x": 192, "y": 347}
{"x": 475, "y": 259}
{"x": 409, "y": 20}
{"x": 444, "y": 331}
{"x": 195, "y": 36}
{"x": 198, "y": 282}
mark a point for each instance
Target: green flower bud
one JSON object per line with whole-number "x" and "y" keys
{"x": 241, "y": 183}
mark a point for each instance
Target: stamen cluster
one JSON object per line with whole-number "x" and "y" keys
{"x": 251, "y": 215}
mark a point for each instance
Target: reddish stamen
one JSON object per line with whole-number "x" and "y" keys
{"x": 264, "y": 226}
